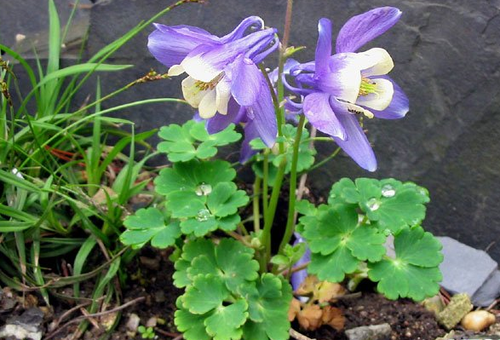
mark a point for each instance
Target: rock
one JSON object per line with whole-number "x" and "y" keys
{"x": 466, "y": 270}
{"x": 7, "y": 300}
{"x": 489, "y": 291}
{"x": 27, "y": 326}
{"x": 433, "y": 304}
{"x": 458, "y": 307}
{"x": 133, "y": 322}
{"x": 374, "y": 332}
{"x": 478, "y": 320}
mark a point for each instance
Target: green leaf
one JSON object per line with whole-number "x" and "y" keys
{"x": 226, "y": 321}
{"x": 225, "y": 199}
{"x": 231, "y": 261}
{"x": 201, "y": 225}
{"x": 334, "y": 266}
{"x": 191, "y": 176}
{"x": 414, "y": 273}
{"x": 268, "y": 304}
{"x": 388, "y": 203}
{"x": 149, "y": 225}
{"x": 326, "y": 231}
{"x": 190, "y": 251}
{"x": 206, "y": 293}
{"x": 191, "y": 140}
{"x": 191, "y": 325}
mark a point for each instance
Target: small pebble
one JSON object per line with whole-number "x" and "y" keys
{"x": 133, "y": 322}
{"x": 152, "y": 321}
{"x": 478, "y": 320}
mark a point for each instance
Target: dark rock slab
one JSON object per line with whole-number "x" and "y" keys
{"x": 447, "y": 60}
{"x": 468, "y": 270}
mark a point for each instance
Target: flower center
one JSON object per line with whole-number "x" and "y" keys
{"x": 367, "y": 87}
{"x": 205, "y": 86}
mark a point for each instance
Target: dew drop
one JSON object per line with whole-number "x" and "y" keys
{"x": 388, "y": 191}
{"x": 373, "y": 204}
{"x": 203, "y": 215}
{"x": 203, "y": 189}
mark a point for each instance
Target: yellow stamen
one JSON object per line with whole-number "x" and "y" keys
{"x": 204, "y": 86}
{"x": 367, "y": 87}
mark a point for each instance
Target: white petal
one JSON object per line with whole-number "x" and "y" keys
{"x": 208, "y": 105}
{"x": 175, "y": 70}
{"x": 198, "y": 68}
{"x": 223, "y": 90}
{"x": 375, "y": 62}
{"x": 382, "y": 97}
{"x": 191, "y": 92}
{"x": 355, "y": 109}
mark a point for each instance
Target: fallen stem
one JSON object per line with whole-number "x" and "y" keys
{"x": 89, "y": 316}
{"x": 298, "y": 336}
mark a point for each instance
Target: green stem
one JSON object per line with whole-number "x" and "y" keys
{"x": 256, "y": 203}
{"x": 290, "y": 224}
{"x": 280, "y": 116}
{"x": 317, "y": 165}
{"x": 269, "y": 218}
{"x": 265, "y": 185}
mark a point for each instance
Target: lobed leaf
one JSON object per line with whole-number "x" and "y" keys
{"x": 268, "y": 305}
{"x": 191, "y": 141}
{"x": 149, "y": 225}
{"x": 388, "y": 203}
{"x": 414, "y": 272}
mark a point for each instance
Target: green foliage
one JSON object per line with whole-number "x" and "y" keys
{"x": 150, "y": 225}
{"x": 353, "y": 228}
{"x": 305, "y": 154}
{"x": 388, "y": 203}
{"x": 191, "y": 140}
{"x": 202, "y": 195}
{"x": 225, "y": 296}
{"x": 146, "y": 332}
{"x": 414, "y": 272}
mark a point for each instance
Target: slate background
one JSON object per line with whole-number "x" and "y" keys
{"x": 447, "y": 55}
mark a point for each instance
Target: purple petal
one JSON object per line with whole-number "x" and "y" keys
{"x": 261, "y": 56}
{"x": 240, "y": 30}
{"x": 219, "y": 122}
{"x": 324, "y": 46}
{"x": 320, "y": 114}
{"x": 263, "y": 115}
{"x": 171, "y": 44}
{"x": 298, "y": 277}
{"x": 399, "y": 106}
{"x": 251, "y": 133}
{"x": 246, "y": 81}
{"x": 362, "y": 28}
{"x": 206, "y": 62}
{"x": 344, "y": 77}
{"x": 356, "y": 145}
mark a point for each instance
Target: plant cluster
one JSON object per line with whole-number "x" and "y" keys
{"x": 64, "y": 189}
{"x": 235, "y": 288}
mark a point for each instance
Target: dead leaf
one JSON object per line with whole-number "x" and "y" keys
{"x": 333, "y": 317}
{"x": 294, "y": 309}
{"x": 310, "y": 317}
{"x": 328, "y": 291}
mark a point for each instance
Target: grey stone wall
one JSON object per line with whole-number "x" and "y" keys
{"x": 447, "y": 55}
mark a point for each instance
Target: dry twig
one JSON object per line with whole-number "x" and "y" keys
{"x": 298, "y": 336}
{"x": 89, "y": 316}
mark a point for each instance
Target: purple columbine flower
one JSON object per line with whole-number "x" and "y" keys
{"x": 338, "y": 87}
{"x": 223, "y": 82}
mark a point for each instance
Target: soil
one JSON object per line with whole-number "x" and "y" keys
{"x": 149, "y": 279}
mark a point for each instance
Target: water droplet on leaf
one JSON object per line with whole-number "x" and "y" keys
{"x": 203, "y": 215}
{"x": 388, "y": 191}
{"x": 203, "y": 189}
{"x": 373, "y": 204}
